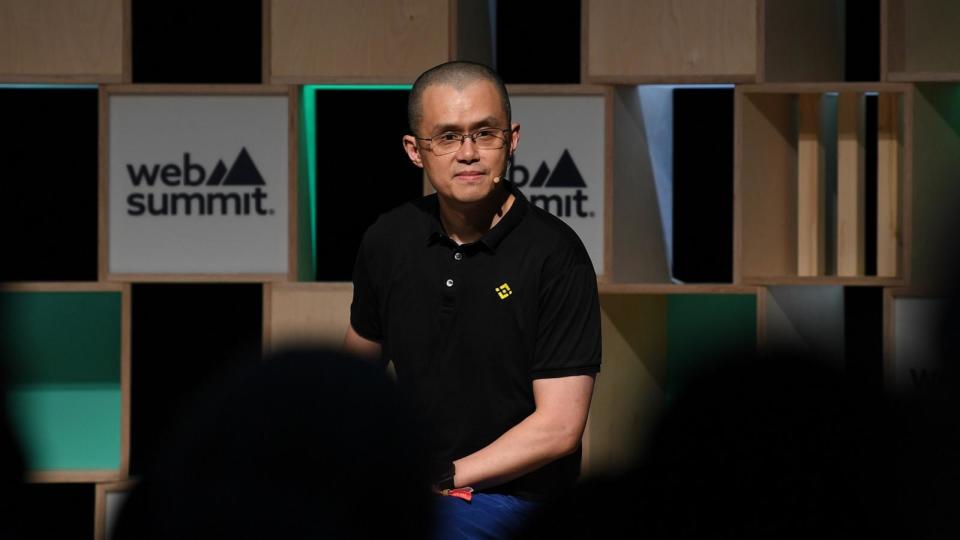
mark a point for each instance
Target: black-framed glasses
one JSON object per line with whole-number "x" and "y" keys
{"x": 449, "y": 142}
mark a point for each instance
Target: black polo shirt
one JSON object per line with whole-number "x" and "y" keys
{"x": 469, "y": 327}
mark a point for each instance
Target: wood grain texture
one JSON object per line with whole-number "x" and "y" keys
{"x": 810, "y": 196}
{"x": 803, "y": 40}
{"x": 765, "y": 190}
{"x": 663, "y": 40}
{"x": 851, "y": 185}
{"x": 314, "y": 314}
{"x": 364, "y": 41}
{"x": 888, "y": 185}
{"x": 921, "y": 39}
{"x": 62, "y": 40}
{"x": 629, "y": 389}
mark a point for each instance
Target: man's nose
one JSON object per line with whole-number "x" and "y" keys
{"x": 468, "y": 149}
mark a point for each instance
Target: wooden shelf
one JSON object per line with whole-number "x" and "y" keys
{"x": 652, "y": 342}
{"x": 82, "y": 378}
{"x": 65, "y": 41}
{"x": 919, "y": 39}
{"x": 792, "y": 138}
{"x": 317, "y": 41}
{"x": 686, "y": 41}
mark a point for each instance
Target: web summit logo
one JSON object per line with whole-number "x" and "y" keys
{"x": 245, "y": 199}
{"x": 565, "y": 175}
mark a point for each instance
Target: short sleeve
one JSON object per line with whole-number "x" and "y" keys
{"x": 568, "y": 331}
{"x": 365, "y": 310}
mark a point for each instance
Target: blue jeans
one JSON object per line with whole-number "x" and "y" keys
{"x": 488, "y": 515}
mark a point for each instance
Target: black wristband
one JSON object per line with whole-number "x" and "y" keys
{"x": 445, "y": 479}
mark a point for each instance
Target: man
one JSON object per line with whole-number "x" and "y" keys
{"x": 487, "y": 306}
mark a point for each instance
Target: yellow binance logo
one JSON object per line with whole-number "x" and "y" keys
{"x": 503, "y": 291}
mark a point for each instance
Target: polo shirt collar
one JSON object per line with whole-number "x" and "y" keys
{"x": 494, "y": 236}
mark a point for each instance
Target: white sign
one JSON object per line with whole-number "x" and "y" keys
{"x": 559, "y": 164}
{"x": 198, "y": 184}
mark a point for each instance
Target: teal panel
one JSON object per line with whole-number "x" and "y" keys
{"x": 306, "y": 187}
{"x": 701, "y": 327}
{"x": 64, "y": 351}
{"x": 62, "y": 337}
{"x": 68, "y": 427}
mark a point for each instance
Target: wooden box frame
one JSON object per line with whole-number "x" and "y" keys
{"x": 33, "y": 57}
{"x": 373, "y": 42}
{"x": 96, "y": 475}
{"x": 293, "y": 118}
{"x": 737, "y": 42}
{"x": 777, "y": 201}
{"x": 899, "y": 53}
{"x": 621, "y": 415}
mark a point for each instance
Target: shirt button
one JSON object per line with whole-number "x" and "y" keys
{"x": 458, "y": 255}
{"x": 449, "y": 283}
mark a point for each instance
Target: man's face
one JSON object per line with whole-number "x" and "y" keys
{"x": 465, "y": 175}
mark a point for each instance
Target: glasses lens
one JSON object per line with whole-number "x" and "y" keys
{"x": 489, "y": 139}
{"x": 485, "y": 139}
{"x": 445, "y": 143}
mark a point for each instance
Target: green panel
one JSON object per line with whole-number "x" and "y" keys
{"x": 68, "y": 426}
{"x": 62, "y": 337}
{"x": 64, "y": 350}
{"x": 307, "y": 186}
{"x": 701, "y": 327}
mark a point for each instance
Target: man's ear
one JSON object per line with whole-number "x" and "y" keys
{"x": 412, "y": 150}
{"x": 514, "y": 137}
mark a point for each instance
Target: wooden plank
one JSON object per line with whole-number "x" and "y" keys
{"x": 850, "y": 185}
{"x": 75, "y": 477}
{"x": 811, "y": 259}
{"x": 823, "y": 87}
{"x": 852, "y": 281}
{"x": 314, "y": 314}
{"x": 670, "y": 40}
{"x": 765, "y": 191}
{"x": 319, "y": 41}
{"x": 891, "y": 37}
{"x": 61, "y": 286}
{"x": 888, "y": 185}
{"x": 629, "y": 389}
{"x": 803, "y": 40}
{"x": 62, "y": 40}
{"x": 673, "y": 288}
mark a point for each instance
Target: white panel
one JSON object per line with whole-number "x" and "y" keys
{"x": 114, "y": 504}
{"x": 916, "y": 337}
{"x": 241, "y": 228}
{"x": 564, "y": 135}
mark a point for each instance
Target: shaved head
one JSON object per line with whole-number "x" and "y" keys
{"x": 458, "y": 75}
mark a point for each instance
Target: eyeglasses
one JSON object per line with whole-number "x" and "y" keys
{"x": 449, "y": 142}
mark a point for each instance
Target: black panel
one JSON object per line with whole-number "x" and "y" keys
{"x": 862, "y": 40}
{"x": 538, "y": 41}
{"x": 56, "y": 511}
{"x": 863, "y": 336}
{"x": 48, "y": 177}
{"x": 703, "y": 185}
{"x": 362, "y": 171}
{"x": 182, "y": 41}
{"x": 185, "y": 337}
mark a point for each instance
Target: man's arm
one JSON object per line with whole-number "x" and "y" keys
{"x": 360, "y": 346}
{"x": 553, "y": 431}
